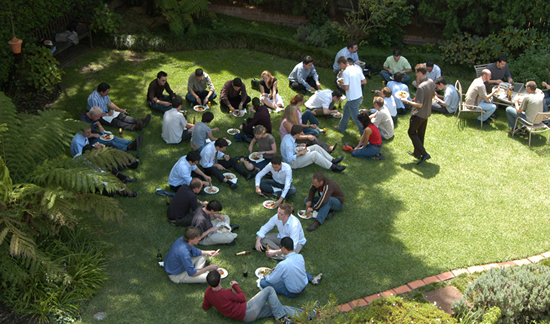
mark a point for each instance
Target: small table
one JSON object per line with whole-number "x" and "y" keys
{"x": 500, "y": 97}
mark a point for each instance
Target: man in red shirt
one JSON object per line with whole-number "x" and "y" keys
{"x": 234, "y": 305}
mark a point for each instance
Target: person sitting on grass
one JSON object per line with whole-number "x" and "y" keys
{"x": 233, "y": 304}
{"x": 287, "y": 226}
{"x": 261, "y": 117}
{"x": 389, "y": 102}
{"x": 330, "y": 198}
{"x": 445, "y": 104}
{"x": 234, "y": 96}
{"x": 306, "y": 117}
{"x": 155, "y": 97}
{"x": 304, "y": 76}
{"x": 185, "y": 170}
{"x": 213, "y": 226}
{"x": 175, "y": 127}
{"x": 397, "y": 85}
{"x": 282, "y": 179}
{"x": 183, "y": 205}
{"x": 184, "y": 263}
{"x": 382, "y": 118}
{"x": 196, "y": 88}
{"x": 322, "y": 103}
{"x": 289, "y": 278}
{"x": 270, "y": 95}
{"x": 370, "y": 144}
{"x": 201, "y": 131}
{"x": 291, "y": 118}
{"x": 266, "y": 147}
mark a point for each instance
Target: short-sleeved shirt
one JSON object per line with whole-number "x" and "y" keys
{"x": 78, "y": 143}
{"x": 268, "y": 89}
{"x": 382, "y": 119}
{"x": 178, "y": 258}
{"x": 181, "y": 173}
{"x": 95, "y": 99}
{"x": 499, "y": 74}
{"x": 352, "y": 77}
{"x": 424, "y": 95}
{"x": 320, "y": 99}
{"x": 532, "y": 104}
{"x": 264, "y": 144}
{"x": 401, "y": 65}
{"x": 436, "y": 72}
{"x": 451, "y": 98}
{"x": 173, "y": 125}
{"x": 200, "y": 134}
{"x": 476, "y": 92}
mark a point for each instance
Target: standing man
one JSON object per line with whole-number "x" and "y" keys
{"x": 330, "y": 199}
{"x": 322, "y": 102}
{"x": 155, "y": 97}
{"x": 499, "y": 71}
{"x": 175, "y": 127}
{"x": 183, "y": 205}
{"x": 208, "y": 220}
{"x": 304, "y": 76}
{"x": 184, "y": 263}
{"x": 196, "y": 88}
{"x": 420, "y": 111}
{"x": 234, "y": 96}
{"x": 448, "y": 103}
{"x": 531, "y": 105}
{"x": 396, "y": 63}
{"x": 350, "y": 51}
{"x": 182, "y": 171}
{"x": 287, "y": 226}
{"x": 477, "y": 95}
{"x": 382, "y": 118}
{"x": 353, "y": 79}
{"x": 115, "y": 117}
{"x": 282, "y": 180}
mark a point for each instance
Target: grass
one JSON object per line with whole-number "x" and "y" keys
{"x": 480, "y": 199}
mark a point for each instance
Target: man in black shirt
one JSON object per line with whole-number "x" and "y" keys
{"x": 185, "y": 202}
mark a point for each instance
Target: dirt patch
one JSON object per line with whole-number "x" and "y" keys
{"x": 8, "y": 316}
{"x": 134, "y": 57}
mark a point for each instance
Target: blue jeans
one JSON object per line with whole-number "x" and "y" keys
{"x": 367, "y": 151}
{"x": 488, "y": 109}
{"x": 202, "y": 94}
{"x": 267, "y": 184}
{"x": 257, "y": 308}
{"x": 351, "y": 108}
{"x": 546, "y": 101}
{"x": 332, "y": 204}
{"x": 385, "y": 74}
{"x": 161, "y": 107}
{"x": 512, "y": 115}
{"x": 308, "y": 116}
{"x": 117, "y": 142}
{"x": 280, "y": 287}
{"x": 261, "y": 165}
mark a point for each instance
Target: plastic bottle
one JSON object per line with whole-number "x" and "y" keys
{"x": 209, "y": 104}
{"x": 245, "y": 271}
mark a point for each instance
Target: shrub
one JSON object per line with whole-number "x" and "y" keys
{"x": 106, "y": 20}
{"x": 320, "y": 36}
{"x": 181, "y": 14}
{"x": 532, "y": 65}
{"x": 40, "y": 69}
{"x": 521, "y": 293}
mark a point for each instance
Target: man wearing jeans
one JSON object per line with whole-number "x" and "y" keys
{"x": 289, "y": 277}
{"x": 155, "y": 97}
{"x": 477, "y": 95}
{"x": 353, "y": 79}
{"x": 234, "y": 305}
{"x": 196, "y": 88}
{"x": 330, "y": 199}
{"x": 531, "y": 105}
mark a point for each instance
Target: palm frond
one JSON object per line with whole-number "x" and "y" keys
{"x": 107, "y": 158}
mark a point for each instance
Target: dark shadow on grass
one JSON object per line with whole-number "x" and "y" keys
{"x": 426, "y": 170}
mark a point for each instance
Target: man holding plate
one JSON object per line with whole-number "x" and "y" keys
{"x": 282, "y": 180}
{"x": 234, "y": 96}
{"x": 213, "y": 226}
{"x": 330, "y": 199}
{"x": 196, "y": 88}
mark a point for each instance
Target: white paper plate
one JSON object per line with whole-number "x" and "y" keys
{"x": 199, "y": 108}
{"x": 302, "y": 214}
{"x": 255, "y": 154}
{"x": 257, "y": 272}
{"x": 107, "y": 137}
{"x": 241, "y": 113}
{"x": 228, "y": 142}
{"x": 233, "y": 131}
{"x": 336, "y": 115}
{"x": 224, "y": 273}
{"x": 232, "y": 177}
{"x": 213, "y": 188}
{"x": 402, "y": 94}
{"x": 300, "y": 148}
{"x": 267, "y": 203}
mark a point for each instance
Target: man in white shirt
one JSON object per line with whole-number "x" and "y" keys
{"x": 322, "y": 102}
{"x": 350, "y": 51}
{"x": 174, "y": 125}
{"x": 282, "y": 180}
{"x": 353, "y": 78}
{"x": 434, "y": 72}
{"x": 287, "y": 226}
{"x": 382, "y": 118}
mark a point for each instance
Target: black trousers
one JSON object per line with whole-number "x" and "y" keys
{"x": 417, "y": 130}
{"x": 231, "y": 163}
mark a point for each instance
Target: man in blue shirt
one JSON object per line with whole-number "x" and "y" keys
{"x": 289, "y": 277}
{"x": 304, "y": 76}
{"x": 184, "y": 263}
{"x": 445, "y": 104}
{"x": 182, "y": 171}
{"x": 350, "y": 51}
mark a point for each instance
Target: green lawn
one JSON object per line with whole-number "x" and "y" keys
{"x": 480, "y": 199}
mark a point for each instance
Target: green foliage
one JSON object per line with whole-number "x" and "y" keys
{"x": 521, "y": 293}
{"x": 182, "y": 14}
{"x": 492, "y": 315}
{"x": 532, "y": 65}
{"x": 40, "y": 69}
{"x": 314, "y": 35}
{"x": 106, "y": 20}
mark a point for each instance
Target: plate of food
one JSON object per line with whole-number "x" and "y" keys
{"x": 300, "y": 148}
{"x": 402, "y": 94}
{"x": 223, "y": 228}
{"x": 361, "y": 111}
{"x": 211, "y": 190}
{"x": 200, "y": 108}
{"x": 230, "y": 177}
{"x": 223, "y": 273}
{"x": 336, "y": 114}
{"x": 233, "y": 131}
{"x": 261, "y": 272}
{"x": 107, "y": 137}
{"x": 239, "y": 113}
{"x": 98, "y": 145}
{"x": 303, "y": 214}
{"x": 228, "y": 142}
{"x": 256, "y": 157}
{"x": 269, "y": 204}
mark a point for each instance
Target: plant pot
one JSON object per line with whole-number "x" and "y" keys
{"x": 15, "y": 44}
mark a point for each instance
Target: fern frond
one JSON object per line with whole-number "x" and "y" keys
{"x": 104, "y": 207}
{"x": 107, "y": 158}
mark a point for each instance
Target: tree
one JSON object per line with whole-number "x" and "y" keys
{"x": 181, "y": 14}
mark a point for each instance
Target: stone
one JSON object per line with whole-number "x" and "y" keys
{"x": 100, "y": 316}
{"x": 443, "y": 298}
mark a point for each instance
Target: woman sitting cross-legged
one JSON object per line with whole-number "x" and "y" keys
{"x": 290, "y": 118}
{"x": 268, "y": 88}
{"x": 370, "y": 144}
{"x": 305, "y": 117}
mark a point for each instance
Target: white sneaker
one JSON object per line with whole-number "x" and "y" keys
{"x": 315, "y": 280}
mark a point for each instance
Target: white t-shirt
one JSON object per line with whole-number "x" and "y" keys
{"x": 321, "y": 99}
{"x": 390, "y": 104}
{"x": 173, "y": 124}
{"x": 382, "y": 119}
{"x": 352, "y": 77}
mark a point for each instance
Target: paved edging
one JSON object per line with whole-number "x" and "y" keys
{"x": 362, "y": 302}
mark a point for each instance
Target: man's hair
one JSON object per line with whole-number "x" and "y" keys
{"x": 256, "y": 103}
{"x": 296, "y": 99}
{"x": 287, "y": 243}
{"x": 421, "y": 68}
{"x": 386, "y": 91}
{"x": 277, "y": 159}
{"x": 350, "y": 61}
{"x": 396, "y": 52}
{"x": 103, "y": 86}
{"x": 440, "y": 80}
{"x": 199, "y": 72}
{"x": 207, "y": 117}
{"x": 531, "y": 85}
{"x": 430, "y": 64}
{"x": 308, "y": 59}
{"x": 213, "y": 278}
{"x": 220, "y": 142}
{"x": 342, "y": 59}
{"x": 485, "y": 72}
{"x": 502, "y": 58}
{"x": 296, "y": 129}
{"x": 378, "y": 101}
{"x": 95, "y": 110}
{"x": 191, "y": 233}
{"x": 196, "y": 183}
{"x": 193, "y": 156}
{"x": 161, "y": 74}
{"x": 319, "y": 176}
{"x": 176, "y": 102}
{"x": 259, "y": 130}
{"x": 336, "y": 93}
{"x": 351, "y": 44}
{"x": 214, "y": 205}
{"x": 398, "y": 76}
{"x": 237, "y": 82}
{"x": 286, "y": 207}
{"x": 364, "y": 119}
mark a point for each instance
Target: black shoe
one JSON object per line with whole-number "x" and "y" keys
{"x": 337, "y": 168}
{"x": 137, "y": 155}
{"x": 146, "y": 120}
{"x": 330, "y": 214}
{"x": 128, "y": 179}
{"x": 139, "y": 141}
{"x": 424, "y": 158}
{"x": 334, "y": 148}
{"x": 338, "y": 160}
{"x": 411, "y": 153}
{"x": 232, "y": 185}
{"x": 234, "y": 227}
{"x": 493, "y": 116}
{"x": 251, "y": 175}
